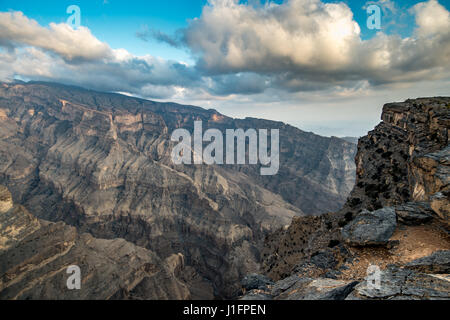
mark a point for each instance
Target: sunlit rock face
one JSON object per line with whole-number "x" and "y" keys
{"x": 101, "y": 163}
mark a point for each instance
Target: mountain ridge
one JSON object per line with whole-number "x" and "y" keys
{"x": 101, "y": 162}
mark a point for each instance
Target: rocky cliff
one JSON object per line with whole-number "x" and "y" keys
{"x": 396, "y": 219}
{"x": 101, "y": 163}
{"x": 35, "y": 255}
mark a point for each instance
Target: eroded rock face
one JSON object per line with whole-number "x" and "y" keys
{"x": 414, "y": 213}
{"x": 406, "y": 157}
{"x": 396, "y": 217}
{"x": 403, "y": 284}
{"x": 438, "y": 262}
{"x": 6, "y": 202}
{"x": 371, "y": 228}
{"x": 101, "y": 162}
{"x": 35, "y": 255}
{"x": 441, "y": 205}
{"x": 255, "y": 281}
{"x": 299, "y": 288}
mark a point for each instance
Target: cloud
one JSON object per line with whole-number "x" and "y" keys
{"x": 60, "y": 53}
{"x": 431, "y": 18}
{"x": 146, "y": 34}
{"x": 72, "y": 45}
{"x": 266, "y": 51}
{"x": 307, "y": 44}
{"x": 301, "y": 35}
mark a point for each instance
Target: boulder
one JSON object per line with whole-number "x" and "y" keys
{"x": 438, "y": 262}
{"x": 441, "y": 206}
{"x": 414, "y": 213}
{"x": 285, "y": 284}
{"x": 403, "y": 284}
{"x": 371, "y": 228}
{"x": 256, "y": 295}
{"x": 324, "y": 289}
{"x": 256, "y": 281}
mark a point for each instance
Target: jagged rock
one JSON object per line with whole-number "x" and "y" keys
{"x": 324, "y": 259}
{"x": 321, "y": 263}
{"x": 402, "y": 165}
{"x": 256, "y": 281}
{"x": 333, "y": 274}
{"x": 371, "y": 228}
{"x": 438, "y": 262}
{"x": 256, "y": 295}
{"x": 414, "y": 213}
{"x": 323, "y": 289}
{"x": 405, "y": 158}
{"x": 285, "y": 284}
{"x": 427, "y": 286}
{"x": 6, "y": 202}
{"x": 440, "y": 204}
{"x": 398, "y": 283}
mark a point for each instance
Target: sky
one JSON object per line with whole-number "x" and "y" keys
{"x": 310, "y": 63}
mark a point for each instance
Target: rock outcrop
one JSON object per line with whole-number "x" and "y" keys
{"x": 396, "y": 218}
{"x": 371, "y": 228}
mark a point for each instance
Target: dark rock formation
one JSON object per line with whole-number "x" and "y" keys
{"x": 371, "y": 228}
{"x": 299, "y": 288}
{"x": 414, "y": 213}
{"x": 402, "y": 284}
{"x": 438, "y": 262}
{"x": 396, "y": 217}
{"x": 406, "y": 157}
{"x": 255, "y": 281}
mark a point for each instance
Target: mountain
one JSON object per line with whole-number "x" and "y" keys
{"x": 396, "y": 220}
{"x": 35, "y": 255}
{"x": 100, "y": 164}
{"x": 351, "y": 139}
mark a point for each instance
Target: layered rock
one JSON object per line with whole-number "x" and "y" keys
{"x": 406, "y": 157}
{"x": 101, "y": 162}
{"x": 36, "y": 254}
{"x": 395, "y": 218}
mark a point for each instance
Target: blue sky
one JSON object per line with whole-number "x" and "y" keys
{"x": 116, "y": 22}
{"x": 311, "y": 67}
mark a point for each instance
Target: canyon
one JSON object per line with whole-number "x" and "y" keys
{"x": 87, "y": 179}
{"x": 396, "y": 219}
{"x": 92, "y": 184}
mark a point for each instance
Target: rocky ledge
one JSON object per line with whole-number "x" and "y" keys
{"x": 395, "y": 222}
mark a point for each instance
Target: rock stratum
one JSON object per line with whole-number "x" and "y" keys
{"x": 396, "y": 220}
{"x": 93, "y": 185}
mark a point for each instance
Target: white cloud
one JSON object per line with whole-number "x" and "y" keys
{"x": 307, "y": 43}
{"x": 297, "y": 34}
{"x": 80, "y": 44}
{"x": 431, "y": 18}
